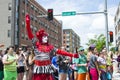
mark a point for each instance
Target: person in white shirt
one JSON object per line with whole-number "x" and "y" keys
{"x": 102, "y": 66}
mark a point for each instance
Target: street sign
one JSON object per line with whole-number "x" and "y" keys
{"x": 72, "y": 13}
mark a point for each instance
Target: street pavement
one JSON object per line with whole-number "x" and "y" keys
{"x": 116, "y": 75}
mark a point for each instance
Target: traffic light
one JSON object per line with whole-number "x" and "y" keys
{"x": 50, "y": 14}
{"x": 111, "y": 36}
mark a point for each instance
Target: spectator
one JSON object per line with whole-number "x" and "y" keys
{"x": 109, "y": 65}
{"x": 109, "y": 74}
{"x": 30, "y": 61}
{"x": 118, "y": 60}
{"x": 102, "y": 66}
{"x": 26, "y": 53}
{"x": 63, "y": 66}
{"x": 1, "y": 66}
{"x": 94, "y": 70}
{"x": 55, "y": 65}
{"x": 81, "y": 64}
{"x": 10, "y": 67}
{"x": 74, "y": 67}
{"x": 90, "y": 51}
{"x": 20, "y": 63}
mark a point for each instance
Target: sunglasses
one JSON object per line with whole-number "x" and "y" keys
{"x": 81, "y": 50}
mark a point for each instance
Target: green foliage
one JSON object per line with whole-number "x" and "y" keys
{"x": 99, "y": 41}
{"x": 112, "y": 49}
{"x": 85, "y": 52}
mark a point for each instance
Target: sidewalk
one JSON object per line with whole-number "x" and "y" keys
{"x": 116, "y": 75}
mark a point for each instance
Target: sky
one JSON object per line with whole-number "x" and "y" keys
{"x": 86, "y": 26}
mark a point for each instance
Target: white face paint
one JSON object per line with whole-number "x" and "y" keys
{"x": 44, "y": 39}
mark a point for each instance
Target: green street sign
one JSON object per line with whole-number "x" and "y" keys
{"x": 72, "y": 13}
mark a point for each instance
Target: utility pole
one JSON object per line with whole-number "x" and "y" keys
{"x": 86, "y": 13}
{"x": 106, "y": 24}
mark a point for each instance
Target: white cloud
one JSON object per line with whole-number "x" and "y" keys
{"x": 101, "y": 7}
{"x": 91, "y": 35}
{"x": 86, "y": 26}
{"x": 75, "y": 21}
{"x": 98, "y": 22}
{"x": 60, "y": 6}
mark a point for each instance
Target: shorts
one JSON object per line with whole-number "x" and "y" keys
{"x": 20, "y": 69}
{"x": 63, "y": 71}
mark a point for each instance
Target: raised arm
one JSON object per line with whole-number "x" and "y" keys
{"x": 29, "y": 32}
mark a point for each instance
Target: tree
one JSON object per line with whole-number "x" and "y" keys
{"x": 113, "y": 49}
{"x": 99, "y": 41}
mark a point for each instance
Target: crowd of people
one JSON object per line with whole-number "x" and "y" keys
{"x": 91, "y": 66}
{"x": 15, "y": 64}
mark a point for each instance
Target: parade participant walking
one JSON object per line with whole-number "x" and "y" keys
{"x": 43, "y": 69}
{"x": 81, "y": 64}
{"x": 10, "y": 67}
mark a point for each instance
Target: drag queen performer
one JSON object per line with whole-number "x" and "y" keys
{"x": 42, "y": 49}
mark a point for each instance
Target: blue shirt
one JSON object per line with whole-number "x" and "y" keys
{"x": 54, "y": 61}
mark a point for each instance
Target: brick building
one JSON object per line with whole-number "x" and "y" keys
{"x": 70, "y": 40}
{"x": 13, "y": 31}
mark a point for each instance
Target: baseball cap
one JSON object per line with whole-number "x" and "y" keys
{"x": 92, "y": 46}
{"x": 81, "y": 49}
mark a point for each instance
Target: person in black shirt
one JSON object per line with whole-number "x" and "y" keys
{"x": 63, "y": 64}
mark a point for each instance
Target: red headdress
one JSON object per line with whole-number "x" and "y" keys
{"x": 40, "y": 34}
